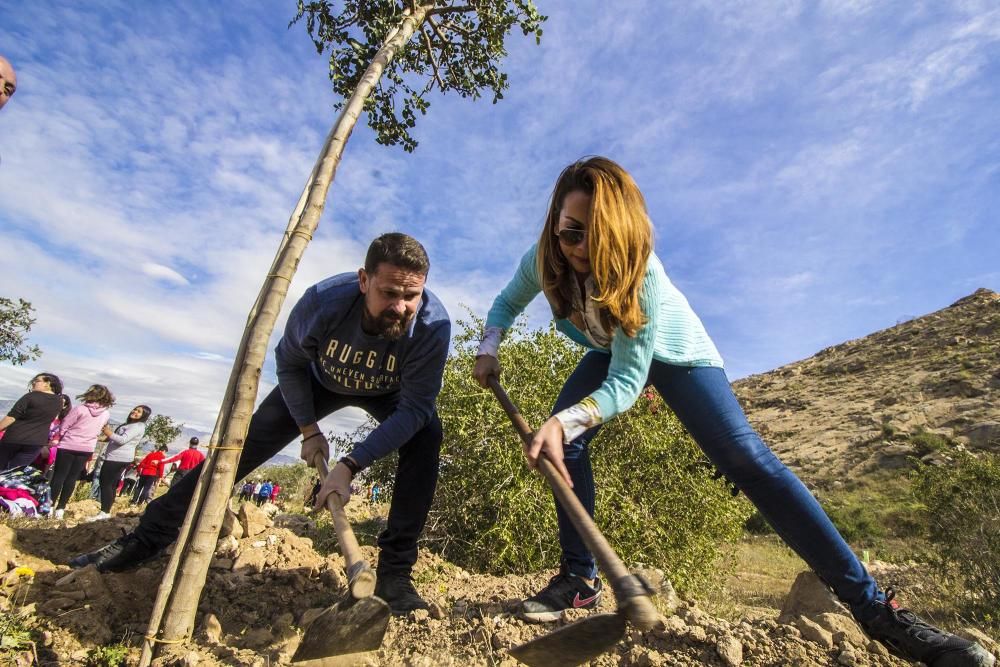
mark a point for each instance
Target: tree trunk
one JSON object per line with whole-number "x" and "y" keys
{"x": 183, "y": 580}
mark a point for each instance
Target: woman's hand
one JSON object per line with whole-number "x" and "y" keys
{"x": 548, "y": 440}
{"x": 486, "y": 366}
{"x": 107, "y": 431}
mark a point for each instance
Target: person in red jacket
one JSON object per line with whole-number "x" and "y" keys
{"x": 189, "y": 459}
{"x": 150, "y": 471}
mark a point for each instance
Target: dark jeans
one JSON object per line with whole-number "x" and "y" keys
{"x": 111, "y": 474}
{"x": 66, "y": 474}
{"x": 15, "y": 456}
{"x": 704, "y": 402}
{"x": 144, "y": 489}
{"x": 272, "y": 428}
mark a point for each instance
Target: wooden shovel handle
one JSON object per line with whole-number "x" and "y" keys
{"x": 631, "y": 593}
{"x": 360, "y": 577}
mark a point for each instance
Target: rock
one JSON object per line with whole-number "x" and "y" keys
{"x": 877, "y": 648}
{"x": 270, "y": 510}
{"x": 985, "y": 435}
{"x": 420, "y": 614}
{"x": 843, "y": 628}
{"x": 436, "y": 611}
{"x": 231, "y": 525}
{"x": 697, "y": 633}
{"x": 190, "y": 659}
{"x": 212, "y": 629}
{"x": 221, "y": 563}
{"x": 809, "y": 596}
{"x": 813, "y": 632}
{"x": 981, "y": 638}
{"x": 257, "y": 638}
{"x": 227, "y": 547}
{"x": 669, "y": 627}
{"x": 730, "y": 649}
{"x": 848, "y": 659}
{"x": 254, "y": 521}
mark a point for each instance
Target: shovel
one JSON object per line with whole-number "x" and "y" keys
{"x": 587, "y": 638}
{"x": 354, "y": 625}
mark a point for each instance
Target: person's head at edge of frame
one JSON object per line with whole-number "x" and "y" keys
{"x": 8, "y": 81}
{"x": 597, "y": 224}
{"x": 193, "y": 443}
{"x": 392, "y": 281}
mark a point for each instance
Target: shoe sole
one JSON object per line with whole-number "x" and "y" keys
{"x": 541, "y": 616}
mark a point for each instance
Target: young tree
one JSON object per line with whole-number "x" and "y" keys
{"x": 15, "y": 323}
{"x": 162, "y": 430}
{"x": 459, "y": 48}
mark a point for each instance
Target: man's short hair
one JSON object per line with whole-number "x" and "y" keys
{"x": 399, "y": 250}
{"x": 193, "y": 442}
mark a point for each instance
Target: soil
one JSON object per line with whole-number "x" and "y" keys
{"x": 263, "y": 588}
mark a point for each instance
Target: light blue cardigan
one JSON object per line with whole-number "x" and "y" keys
{"x": 672, "y": 334}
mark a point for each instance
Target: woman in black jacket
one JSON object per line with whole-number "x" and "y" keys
{"x": 26, "y": 426}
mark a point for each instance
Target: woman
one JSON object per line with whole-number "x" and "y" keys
{"x": 150, "y": 471}
{"x": 26, "y": 426}
{"x": 120, "y": 452}
{"x": 77, "y": 439}
{"x": 608, "y": 291}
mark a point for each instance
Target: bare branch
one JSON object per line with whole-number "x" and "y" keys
{"x": 430, "y": 54}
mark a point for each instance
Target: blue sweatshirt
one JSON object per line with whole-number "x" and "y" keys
{"x": 324, "y": 340}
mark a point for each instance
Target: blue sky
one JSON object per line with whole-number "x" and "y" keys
{"x": 815, "y": 171}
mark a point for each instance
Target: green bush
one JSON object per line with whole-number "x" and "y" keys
{"x": 657, "y": 502}
{"x": 925, "y": 443}
{"x": 963, "y": 514}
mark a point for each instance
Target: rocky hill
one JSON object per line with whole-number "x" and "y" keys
{"x": 854, "y": 407}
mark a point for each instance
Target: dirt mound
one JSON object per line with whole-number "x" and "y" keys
{"x": 263, "y": 588}
{"x": 850, "y": 409}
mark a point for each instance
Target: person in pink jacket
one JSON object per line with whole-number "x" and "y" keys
{"x": 78, "y": 438}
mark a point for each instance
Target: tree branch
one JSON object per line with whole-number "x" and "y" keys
{"x": 450, "y": 10}
{"x": 437, "y": 31}
{"x": 430, "y": 54}
{"x": 448, "y": 25}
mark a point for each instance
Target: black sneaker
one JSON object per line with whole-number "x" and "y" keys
{"x": 398, "y": 591}
{"x": 125, "y": 553}
{"x": 564, "y": 591}
{"x": 910, "y": 638}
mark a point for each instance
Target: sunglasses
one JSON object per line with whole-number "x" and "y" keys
{"x": 571, "y": 237}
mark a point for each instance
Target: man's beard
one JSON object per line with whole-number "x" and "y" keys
{"x": 388, "y": 325}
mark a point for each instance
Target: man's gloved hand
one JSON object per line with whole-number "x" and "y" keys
{"x": 339, "y": 482}
{"x": 312, "y": 444}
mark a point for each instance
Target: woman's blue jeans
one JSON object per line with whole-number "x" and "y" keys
{"x": 704, "y": 402}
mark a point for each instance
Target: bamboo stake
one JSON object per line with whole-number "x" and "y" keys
{"x": 177, "y": 598}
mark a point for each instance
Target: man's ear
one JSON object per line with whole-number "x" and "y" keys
{"x": 363, "y": 280}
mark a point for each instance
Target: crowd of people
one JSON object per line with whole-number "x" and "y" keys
{"x": 259, "y": 491}
{"x": 48, "y": 445}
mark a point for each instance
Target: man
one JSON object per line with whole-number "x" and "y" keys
{"x": 8, "y": 81}
{"x": 376, "y": 340}
{"x": 189, "y": 459}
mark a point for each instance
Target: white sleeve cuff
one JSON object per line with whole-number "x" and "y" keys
{"x": 578, "y": 419}
{"x": 491, "y": 341}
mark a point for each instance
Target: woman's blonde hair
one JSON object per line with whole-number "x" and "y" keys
{"x": 619, "y": 239}
{"x": 98, "y": 393}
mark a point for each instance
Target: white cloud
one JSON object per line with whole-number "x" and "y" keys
{"x": 164, "y": 273}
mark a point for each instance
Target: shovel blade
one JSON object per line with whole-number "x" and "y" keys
{"x": 573, "y": 644}
{"x": 351, "y": 626}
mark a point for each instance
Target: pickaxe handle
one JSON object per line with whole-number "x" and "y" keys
{"x": 360, "y": 577}
{"x": 631, "y": 593}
